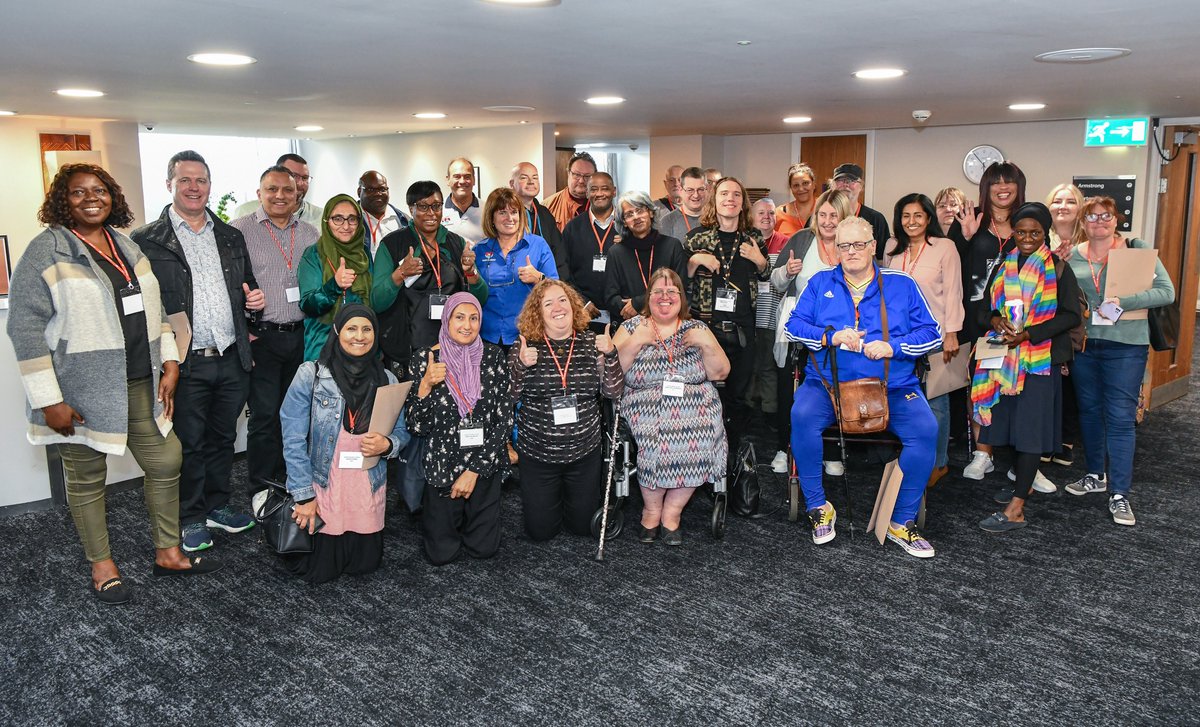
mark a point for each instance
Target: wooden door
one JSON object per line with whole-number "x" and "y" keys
{"x": 1178, "y": 242}
{"x": 825, "y": 153}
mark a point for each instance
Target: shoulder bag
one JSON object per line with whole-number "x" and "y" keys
{"x": 861, "y": 405}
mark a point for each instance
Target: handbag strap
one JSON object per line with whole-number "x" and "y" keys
{"x": 883, "y": 319}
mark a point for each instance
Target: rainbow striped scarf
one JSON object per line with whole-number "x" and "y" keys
{"x": 1036, "y": 285}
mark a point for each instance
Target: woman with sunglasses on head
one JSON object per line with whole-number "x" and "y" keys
{"x": 1108, "y": 373}
{"x": 334, "y": 272}
{"x": 793, "y": 216}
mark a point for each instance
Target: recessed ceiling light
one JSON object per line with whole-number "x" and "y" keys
{"x": 1026, "y": 106}
{"x": 797, "y": 119}
{"x": 222, "y": 59}
{"x": 523, "y": 121}
{"x": 351, "y": 135}
{"x": 79, "y": 92}
{"x": 526, "y": 3}
{"x": 7, "y": 113}
{"x": 430, "y": 115}
{"x": 605, "y": 100}
{"x": 455, "y": 127}
{"x": 1082, "y": 55}
{"x": 743, "y": 42}
{"x": 399, "y": 132}
{"x": 309, "y": 127}
{"x": 505, "y": 109}
{"x": 875, "y": 74}
{"x": 556, "y": 133}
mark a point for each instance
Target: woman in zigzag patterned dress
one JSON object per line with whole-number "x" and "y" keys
{"x": 673, "y": 410}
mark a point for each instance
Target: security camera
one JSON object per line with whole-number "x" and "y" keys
{"x": 633, "y": 147}
{"x": 922, "y": 115}
{"x": 148, "y": 126}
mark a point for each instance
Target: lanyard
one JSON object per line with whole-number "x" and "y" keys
{"x": 351, "y": 416}
{"x": 1097, "y": 275}
{"x": 996, "y": 232}
{"x": 685, "y": 219}
{"x": 562, "y": 370}
{"x": 650, "y": 270}
{"x": 915, "y": 258}
{"x": 535, "y": 223}
{"x": 450, "y": 380}
{"x": 437, "y": 260}
{"x": 111, "y": 257}
{"x": 662, "y": 344}
{"x": 727, "y": 265}
{"x": 607, "y": 233}
{"x": 373, "y": 229}
{"x": 291, "y": 253}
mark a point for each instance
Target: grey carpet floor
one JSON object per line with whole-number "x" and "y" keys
{"x": 1072, "y": 621}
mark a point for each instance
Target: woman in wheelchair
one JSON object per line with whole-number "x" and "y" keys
{"x": 866, "y": 317}
{"x": 670, "y": 361}
{"x": 560, "y": 369}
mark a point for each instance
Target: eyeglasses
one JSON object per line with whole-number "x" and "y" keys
{"x": 584, "y": 177}
{"x": 846, "y": 181}
{"x": 692, "y": 191}
{"x": 340, "y": 220}
{"x": 665, "y": 293}
{"x": 859, "y": 246}
{"x": 635, "y": 212}
{"x": 1102, "y": 217}
{"x": 427, "y": 208}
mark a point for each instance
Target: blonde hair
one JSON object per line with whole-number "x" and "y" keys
{"x": 838, "y": 200}
{"x": 1077, "y": 233}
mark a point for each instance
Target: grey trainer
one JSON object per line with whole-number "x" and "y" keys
{"x": 1087, "y": 484}
{"x": 1121, "y": 510}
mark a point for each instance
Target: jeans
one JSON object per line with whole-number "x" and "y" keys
{"x": 940, "y": 405}
{"x": 1108, "y": 381}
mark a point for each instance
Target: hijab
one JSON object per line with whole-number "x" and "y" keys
{"x": 462, "y": 362}
{"x": 330, "y": 249}
{"x": 357, "y": 377}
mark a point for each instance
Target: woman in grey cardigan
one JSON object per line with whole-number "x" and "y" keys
{"x": 86, "y": 321}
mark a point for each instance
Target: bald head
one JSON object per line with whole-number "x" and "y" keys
{"x": 524, "y": 181}
{"x": 373, "y": 192}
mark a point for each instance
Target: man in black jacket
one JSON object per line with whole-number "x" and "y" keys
{"x": 849, "y": 178}
{"x": 538, "y": 220}
{"x": 204, "y": 272}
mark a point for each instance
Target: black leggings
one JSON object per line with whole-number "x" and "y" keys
{"x": 554, "y": 496}
{"x": 1026, "y": 468}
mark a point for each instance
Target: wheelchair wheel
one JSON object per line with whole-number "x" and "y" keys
{"x": 718, "y": 515}
{"x": 616, "y": 522}
{"x": 793, "y": 499}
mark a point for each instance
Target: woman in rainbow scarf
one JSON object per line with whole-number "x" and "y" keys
{"x": 1034, "y": 305}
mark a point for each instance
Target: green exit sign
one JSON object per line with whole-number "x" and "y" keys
{"x": 1117, "y": 132}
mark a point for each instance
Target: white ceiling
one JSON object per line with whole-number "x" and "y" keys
{"x": 363, "y": 68}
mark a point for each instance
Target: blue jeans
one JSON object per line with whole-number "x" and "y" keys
{"x": 940, "y": 405}
{"x": 1108, "y": 381}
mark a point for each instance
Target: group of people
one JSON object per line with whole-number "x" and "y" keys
{"x": 529, "y": 329}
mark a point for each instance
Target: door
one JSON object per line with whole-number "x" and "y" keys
{"x": 1178, "y": 242}
{"x": 825, "y": 153}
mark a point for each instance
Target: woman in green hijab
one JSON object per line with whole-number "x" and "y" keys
{"x": 333, "y": 272}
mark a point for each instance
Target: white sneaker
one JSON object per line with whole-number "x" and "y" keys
{"x": 1041, "y": 483}
{"x": 981, "y": 464}
{"x": 779, "y": 464}
{"x": 834, "y": 468}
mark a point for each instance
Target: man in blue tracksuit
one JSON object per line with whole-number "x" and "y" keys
{"x": 848, "y": 298}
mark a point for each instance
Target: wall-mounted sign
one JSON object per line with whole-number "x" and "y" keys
{"x": 1117, "y": 132}
{"x": 1121, "y": 189}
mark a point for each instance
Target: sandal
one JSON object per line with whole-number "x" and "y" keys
{"x": 113, "y": 592}
{"x": 998, "y": 522}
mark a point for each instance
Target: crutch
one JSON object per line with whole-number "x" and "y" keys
{"x": 608, "y": 480}
{"x": 831, "y": 350}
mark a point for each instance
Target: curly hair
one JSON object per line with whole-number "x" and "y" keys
{"x": 56, "y": 210}
{"x": 530, "y": 323}
{"x": 671, "y": 277}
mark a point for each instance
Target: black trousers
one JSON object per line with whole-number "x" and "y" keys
{"x": 733, "y": 394}
{"x": 207, "y": 404}
{"x": 554, "y": 496}
{"x": 277, "y": 355}
{"x": 471, "y": 524}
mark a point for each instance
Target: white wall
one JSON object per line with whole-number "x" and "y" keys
{"x": 633, "y": 171}
{"x": 406, "y": 158}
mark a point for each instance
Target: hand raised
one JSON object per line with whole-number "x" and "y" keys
{"x": 794, "y": 266}
{"x": 344, "y": 276}
{"x": 604, "y": 343}
{"x": 528, "y": 273}
{"x": 435, "y": 373}
{"x": 468, "y": 262}
{"x": 527, "y": 355}
{"x": 255, "y": 299}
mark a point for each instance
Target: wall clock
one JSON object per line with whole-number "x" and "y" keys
{"x": 979, "y": 159}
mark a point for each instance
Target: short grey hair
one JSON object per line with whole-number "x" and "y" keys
{"x": 768, "y": 200}
{"x": 636, "y": 199}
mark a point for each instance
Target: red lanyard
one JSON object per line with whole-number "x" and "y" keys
{"x": 374, "y": 229}
{"x": 450, "y": 380}
{"x": 562, "y": 370}
{"x": 535, "y": 223}
{"x": 607, "y": 233}
{"x": 685, "y": 219}
{"x": 437, "y": 267}
{"x": 646, "y": 275}
{"x": 111, "y": 257}
{"x": 996, "y": 231}
{"x": 904, "y": 265}
{"x": 1097, "y": 275}
{"x": 661, "y": 343}
{"x": 291, "y": 253}
{"x": 350, "y": 415}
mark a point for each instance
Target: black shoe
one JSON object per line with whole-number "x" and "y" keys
{"x": 672, "y": 537}
{"x": 1003, "y": 496}
{"x": 113, "y": 592}
{"x": 201, "y": 565}
{"x": 648, "y": 535}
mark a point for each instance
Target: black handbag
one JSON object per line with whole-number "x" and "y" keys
{"x": 1164, "y": 327}
{"x": 283, "y": 535}
{"x": 745, "y": 494}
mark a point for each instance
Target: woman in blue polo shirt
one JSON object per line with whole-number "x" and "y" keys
{"x": 511, "y": 261}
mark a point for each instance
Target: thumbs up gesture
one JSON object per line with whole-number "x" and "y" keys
{"x": 604, "y": 343}
{"x": 343, "y": 275}
{"x": 793, "y": 265}
{"x": 255, "y": 299}
{"x": 528, "y": 273}
{"x": 468, "y": 262}
{"x": 435, "y": 373}
{"x": 527, "y": 355}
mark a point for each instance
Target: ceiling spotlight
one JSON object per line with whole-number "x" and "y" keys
{"x": 399, "y": 132}
{"x": 222, "y": 59}
{"x": 79, "y": 93}
{"x": 1026, "y": 106}
{"x": 7, "y": 113}
{"x": 309, "y": 127}
{"x": 430, "y": 115}
{"x": 455, "y": 127}
{"x": 876, "y": 74}
{"x": 797, "y": 119}
{"x": 506, "y": 109}
{"x": 526, "y": 3}
{"x": 1081, "y": 55}
{"x": 743, "y": 42}
{"x": 605, "y": 100}
{"x": 523, "y": 121}
{"x": 556, "y": 133}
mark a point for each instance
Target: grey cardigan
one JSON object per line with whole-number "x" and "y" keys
{"x": 66, "y": 333}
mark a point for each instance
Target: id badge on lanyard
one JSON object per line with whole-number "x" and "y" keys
{"x": 673, "y": 385}
{"x": 437, "y": 302}
{"x": 599, "y": 263}
{"x": 470, "y": 433}
{"x": 726, "y": 300}
{"x": 293, "y": 294}
{"x": 350, "y": 460}
{"x": 131, "y": 299}
{"x": 564, "y": 409}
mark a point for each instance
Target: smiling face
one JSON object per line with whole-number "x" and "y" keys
{"x": 852, "y": 186}
{"x": 526, "y": 183}
{"x": 1028, "y": 235}
{"x": 89, "y": 200}
{"x": 827, "y": 222}
{"x": 189, "y": 187}
{"x": 345, "y": 231}
{"x": 801, "y": 186}
{"x": 507, "y": 221}
{"x": 463, "y": 324}
{"x": 277, "y": 193}
{"x": 729, "y": 200}
{"x": 600, "y": 194}
{"x": 914, "y": 220}
{"x": 461, "y": 178}
{"x": 557, "y": 317}
{"x": 373, "y": 193}
{"x": 357, "y": 336}
{"x": 300, "y": 171}
{"x": 638, "y": 220}
{"x": 1003, "y": 195}
{"x": 695, "y": 192}
{"x": 762, "y": 214}
{"x": 427, "y": 214}
{"x": 1064, "y": 207}
{"x": 665, "y": 301}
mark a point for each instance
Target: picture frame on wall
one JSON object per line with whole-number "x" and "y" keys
{"x": 6, "y": 261}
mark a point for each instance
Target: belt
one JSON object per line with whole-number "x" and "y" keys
{"x": 727, "y": 326}
{"x": 285, "y": 327}
{"x": 208, "y": 352}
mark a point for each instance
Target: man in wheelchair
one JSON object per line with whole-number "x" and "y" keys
{"x": 857, "y": 318}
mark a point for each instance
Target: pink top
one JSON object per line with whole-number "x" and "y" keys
{"x": 347, "y": 504}
{"x": 938, "y": 272}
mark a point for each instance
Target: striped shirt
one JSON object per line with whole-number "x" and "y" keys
{"x": 212, "y": 313}
{"x": 275, "y": 256}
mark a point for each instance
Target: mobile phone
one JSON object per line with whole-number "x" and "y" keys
{"x": 1111, "y": 310}
{"x": 997, "y": 340}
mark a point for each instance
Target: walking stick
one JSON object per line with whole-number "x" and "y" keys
{"x": 608, "y": 481}
{"x": 837, "y": 414}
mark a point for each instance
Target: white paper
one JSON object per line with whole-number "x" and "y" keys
{"x": 672, "y": 388}
{"x": 350, "y": 460}
{"x": 1099, "y": 320}
{"x": 599, "y": 263}
{"x": 132, "y": 304}
{"x": 726, "y": 305}
{"x": 293, "y": 294}
{"x": 470, "y": 437}
{"x": 566, "y": 415}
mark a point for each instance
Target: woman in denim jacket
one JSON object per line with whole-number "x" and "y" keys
{"x": 325, "y": 417}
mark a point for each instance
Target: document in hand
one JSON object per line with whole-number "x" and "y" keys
{"x": 1130, "y": 270}
{"x": 946, "y": 377}
{"x": 989, "y": 355}
{"x": 389, "y": 402}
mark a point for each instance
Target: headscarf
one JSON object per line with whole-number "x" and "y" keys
{"x": 329, "y": 249}
{"x": 357, "y": 377}
{"x": 1036, "y": 284}
{"x": 462, "y": 362}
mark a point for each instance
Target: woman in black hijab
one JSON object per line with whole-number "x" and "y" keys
{"x": 326, "y": 416}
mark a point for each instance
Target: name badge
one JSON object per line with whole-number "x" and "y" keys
{"x": 564, "y": 409}
{"x": 293, "y": 294}
{"x": 672, "y": 386}
{"x": 764, "y": 287}
{"x": 350, "y": 460}
{"x": 470, "y": 434}
{"x": 599, "y": 263}
{"x": 131, "y": 300}
{"x": 436, "y": 304}
{"x": 856, "y": 348}
{"x": 726, "y": 300}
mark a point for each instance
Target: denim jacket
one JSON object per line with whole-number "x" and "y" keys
{"x": 309, "y": 441}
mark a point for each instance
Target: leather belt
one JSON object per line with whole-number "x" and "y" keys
{"x": 727, "y": 326}
{"x": 285, "y": 327}
{"x": 208, "y": 352}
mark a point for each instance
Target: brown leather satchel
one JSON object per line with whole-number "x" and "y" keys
{"x": 861, "y": 405}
